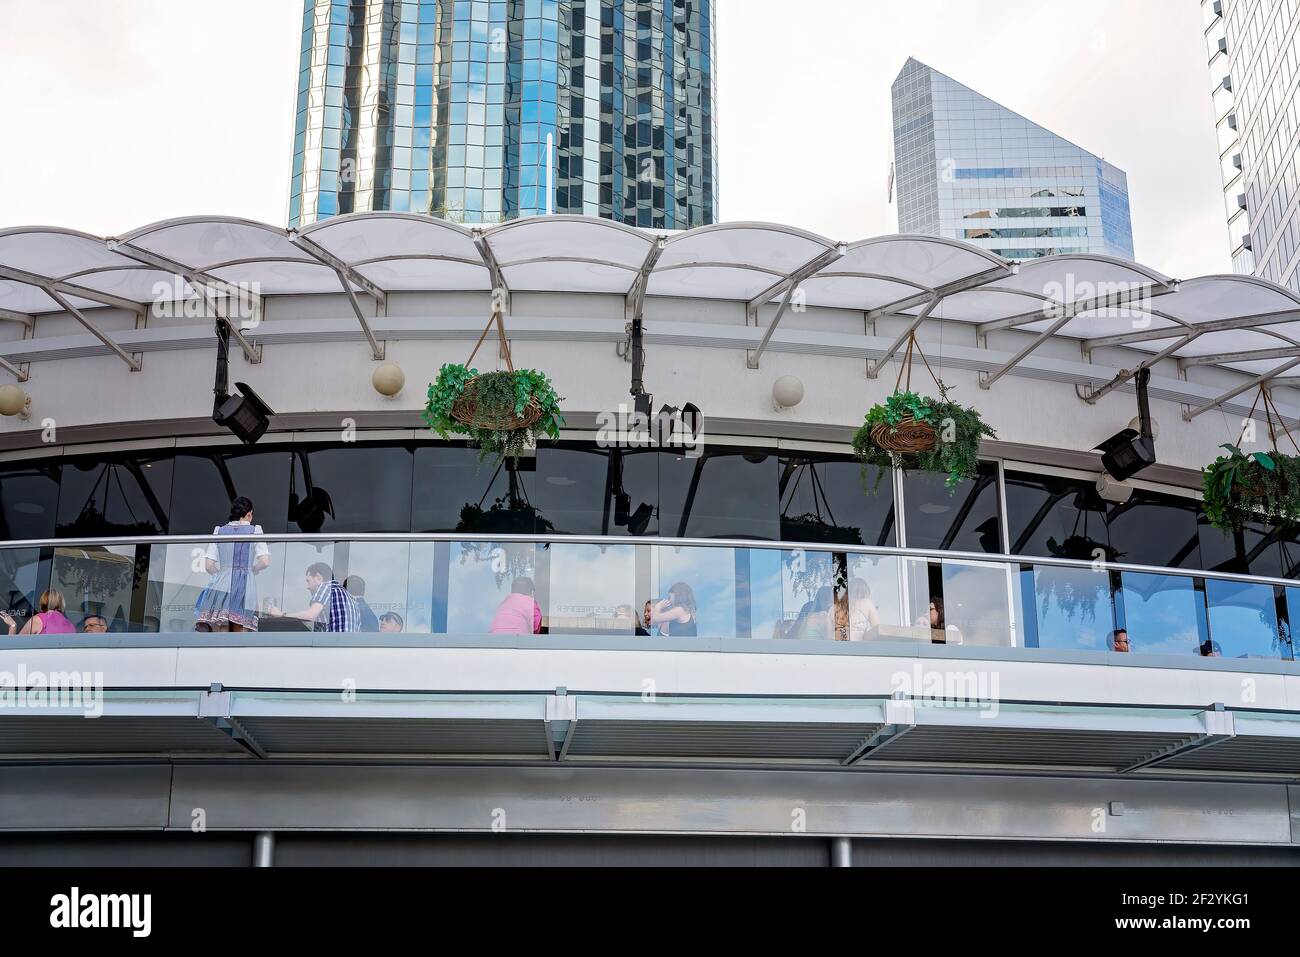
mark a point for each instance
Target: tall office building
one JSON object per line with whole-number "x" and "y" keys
{"x": 485, "y": 110}
{"x": 1253, "y": 48}
{"x": 968, "y": 168}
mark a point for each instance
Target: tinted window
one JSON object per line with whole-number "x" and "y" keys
{"x": 116, "y": 494}
{"x": 1052, "y": 516}
{"x": 29, "y": 499}
{"x": 578, "y": 489}
{"x": 1155, "y": 529}
{"x": 823, "y": 500}
{"x": 353, "y": 488}
{"x": 1253, "y": 550}
{"x": 720, "y": 494}
{"x": 455, "y": 492}
{"x": 205, "y": 482}
{"x": 965, "y": 519}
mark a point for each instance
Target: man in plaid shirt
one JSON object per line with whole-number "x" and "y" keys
{"x": 332, "y": 608}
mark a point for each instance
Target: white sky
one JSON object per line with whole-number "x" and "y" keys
{"x": 116, "y": 113}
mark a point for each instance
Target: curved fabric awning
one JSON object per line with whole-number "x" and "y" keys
{"x": 1238, "y": 322}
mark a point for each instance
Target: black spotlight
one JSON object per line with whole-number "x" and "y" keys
{"x": 1128, "y": 452}
{"x": 244, "y": 414}
{"x": 687, "y": 422}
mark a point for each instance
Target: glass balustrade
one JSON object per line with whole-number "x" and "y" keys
{"x": 681, "y": 590}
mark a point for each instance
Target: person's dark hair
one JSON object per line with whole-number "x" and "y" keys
{"x": 239, "y": 508}
{"x": 938, "y": 610}
{"x": 93, "y": 617}
{"x": 825, "y": 598}
{"x": 356, "y": 585}
{"x": 523, "y": 585}
{"x": 393, "y": 617}
{"x": 321, "y": 570}
{"x": 682, "y": 594}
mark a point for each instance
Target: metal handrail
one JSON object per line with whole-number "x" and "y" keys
{"x": 662, "y": 541}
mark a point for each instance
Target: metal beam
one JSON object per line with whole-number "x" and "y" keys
{"x": 634, "y": 302}
{"x": 93, "y": 329}
{"x": 959, "y": 285}
{"x": 1283, "y": 352}
{"x": 1233, "y": 393}
{"x": 376, "y": 350}
{"x": 498, "y": 278}
{"x": 1170, "y": 332}
{"x": 19, "y": 374}
{"x": 326, "y": 257}
{"x": 789, "y": 284}
{"x": 12, "y": 316}
{"x": 71, "y": 289}
{"x": 987, "y": 379}
{"x": 873, "y": 369}
{"x": 1088, "y": 305}
{"x": 1125, "y": 374}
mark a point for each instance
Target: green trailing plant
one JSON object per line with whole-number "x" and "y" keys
{"x": 501, "y": 424}
{"x": 958, "y": 430}
{"x": 1243, "y": 487}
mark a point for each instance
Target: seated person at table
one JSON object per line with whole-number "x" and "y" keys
{"x": 94, "y": 624}
{"x": 1119, "y": 641}
{"x": 864, "y": 617}
{"x": 368, "y": 620}
{"x": 518, "y": 613}
{"x": 331, "y": 609}
{"x": 390, "y": 623}
{"x": 941, "y": 632}
{"x": 50, "y": 620}
{"x": 675, "y": 615}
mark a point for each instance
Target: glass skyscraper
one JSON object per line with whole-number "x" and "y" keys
{"x": 968, "y": 168}
{"x": 485, "y": 110}
{"x": 1254, "y": 48}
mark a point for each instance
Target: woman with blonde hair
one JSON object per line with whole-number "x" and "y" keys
{"x": 50, "y": 620}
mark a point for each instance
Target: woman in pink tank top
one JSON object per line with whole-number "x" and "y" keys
{"x": 49, "y": 621}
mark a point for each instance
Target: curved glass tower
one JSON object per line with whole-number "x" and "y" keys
{"x": 485, "y": 110}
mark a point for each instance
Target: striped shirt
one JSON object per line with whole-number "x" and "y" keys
{"x": 340, "y": 612}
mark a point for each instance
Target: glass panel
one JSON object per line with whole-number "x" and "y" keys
{"x": 1073, "y": 607}
{"x": 823, "y": 501}
{"x": 375, "y": 575}
{"x": 455, "y": 492}
{"x": 592, "y": 590}
{"x": 89, "y": 583}
{"x": 760, "y": 569}
{"x": 578, "y": 490}
{"x": 963, "y": 520}
{"x": 925, "y": 620}
{"x": 1162, "y": 614}
{"x": 980, "y": 604}
{"x": 421, "y": 589}
{"x": 1243, "y": 620}
{"x": 812, "y": 595}
{"x": 23, "y": 576}
{"x": 720, "y": 494}
{"x": 198, "y": 582}
{"x": 695, "y": 592}
{"x": 353, "y": 488}
{"x": 875, "y": 598}
{"x": 489, "y": 588}
{"x": 307, "y": 565}
{"x": 1059, "y": 517}
{"x": 206, "y": 481}
{"x": 1155, "y": 529}
{"x": 116, "y": 495}
{"x": 29, "y": 499}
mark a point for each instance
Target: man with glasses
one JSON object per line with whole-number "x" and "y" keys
{"x": 94, "y": 625}
{"x": 1119, "y": 640}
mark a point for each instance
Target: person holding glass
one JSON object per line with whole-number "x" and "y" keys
{"x": 229, "y": 602}
{"x": 675, "y": 616}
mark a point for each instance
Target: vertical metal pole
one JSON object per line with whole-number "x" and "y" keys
{"x": 841, "y": 852}
{"x": 264, "y": 849}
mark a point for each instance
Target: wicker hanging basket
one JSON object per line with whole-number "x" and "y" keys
{"x": 908, "y": 437}
{"x": 467, "y": 409}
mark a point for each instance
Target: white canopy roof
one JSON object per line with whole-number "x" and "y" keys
{"x": 1238, "y": 322}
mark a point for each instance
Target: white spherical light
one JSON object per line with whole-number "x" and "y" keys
{"x": 388, "y": 379}
{"x": 13, "y": 400}
{"x": 787, "y": 391}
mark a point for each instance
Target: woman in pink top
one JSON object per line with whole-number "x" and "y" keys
{"x": 50, "y": 620}
{"x": 519, "y": 614}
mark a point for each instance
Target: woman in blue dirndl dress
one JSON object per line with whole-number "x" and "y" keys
{"x": 229, "y": 601}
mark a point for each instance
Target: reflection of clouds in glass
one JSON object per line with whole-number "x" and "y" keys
{"x": 587, "y": 582}
{"x": 384, "y": 566}
{"x": 765, "y": 606}
{"x": 1073, "y": 608}
{"x": 419, "y": 595}
{"x": 1243, "y": 618}
{"x": 473, "y": 594}
{"x": 1160, "y": 614}
{"x": 711, "y": 573}
{"x": 975, "y": 599}
{"x": 882, "y": 577}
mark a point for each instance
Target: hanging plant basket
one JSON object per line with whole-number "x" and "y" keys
{"x": 500, "y": 413}
{"x": 911, "y": 431}
{"x": 1242, "y": 488}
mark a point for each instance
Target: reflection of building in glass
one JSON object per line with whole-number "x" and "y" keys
{"x": 968, "y": 168}
{"x": 1252, "y": 46}
{"x": 476, "y": 110}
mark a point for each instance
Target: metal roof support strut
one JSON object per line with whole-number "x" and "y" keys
{"x": 789, "y": 284}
